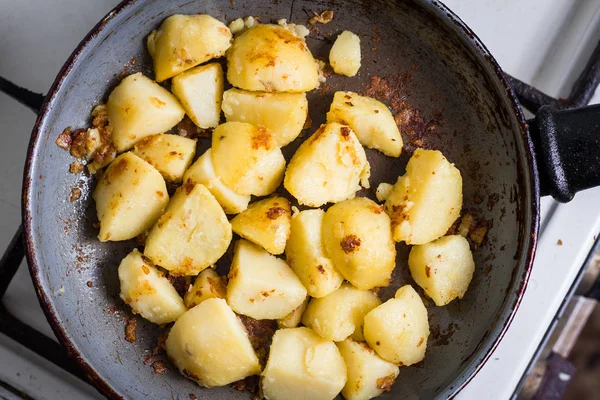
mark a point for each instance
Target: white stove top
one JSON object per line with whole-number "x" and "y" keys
{"x": 543, "y": 43}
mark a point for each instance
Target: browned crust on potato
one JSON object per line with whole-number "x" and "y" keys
{"x": 276, "y": 212}
{"x": 385, "y": 383}
{"x": 262, "y": 139}
{"x": 350, "y": 243}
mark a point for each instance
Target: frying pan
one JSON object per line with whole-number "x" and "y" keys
{"x": 458, "y": 101}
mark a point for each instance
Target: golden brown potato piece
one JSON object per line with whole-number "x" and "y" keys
{"x": 371, "y": 121}
{"x": 171, "y": 155}
{"x": 305, "y": 254}
{"x": 202, "y": 171}
{"x": 270, "y": 58}
{"x": 209, "y": 345}
{"x": 327, "y": 167}
{"x": 130, "y": 197}
{"x": 184, "y": 41}
{"x": 426, "y": 200}
{"x": 357, "y": 236}
{"x": 260, "y": 285}
{"x": 302, "y": 365}
{"x": 207, "y": 286}
{"x": 192, "y": 234}
{"x": 265, "y": 223}
{"x": 368, "y": 374}
{"x": 147, "y": 290}
{"x": 398, "y": 329}
{"x": 140, "y": 107}
{"x": 283, "y": 114}
{"x": 340, "y": 314}
{"x": 443, "y": 268}
{"x": 200, "y": 91}
{"x": 344, "y": 56}
{"x": 247, "y": 159}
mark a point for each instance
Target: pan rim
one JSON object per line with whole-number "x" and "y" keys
{"x": 529, "y": 189}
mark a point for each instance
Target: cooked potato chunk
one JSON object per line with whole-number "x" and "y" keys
{"x": 294, "y": 318}
{"x": 130, "y": 197}
{"x": 398, "y": 329}
{"x": 283, "y": 114}
{"x": 303, "y": 366}
{"x": 202, "y": 171}
{"x": 184, "y": 41}
{"x": 247, "y": 159}
{"x": 426, "y": 200}
{"x": 340, "y": 314}
{"x": 192, "y": 234}
{"x": 207, "y": 286}
{"x": 147, "y": 291}
{"x": 265, "y": 223}
{"x": 305, "y": 254}
{"x": 443, "y": 268}
{"x": 171, "y": 155}
{"x": 371, "y": 121}
{"x": 140, "y": 107}
{"x": 327, "y": 167}
{"x": 383, "y": 191}
{"x": 200, "y": 91}
{"x": 209, "y": 345}
{"x": 262, "y": 286}
{"x": 368, "y": 374}
{"x": 344, "y": 56}
{"x": 270, "y": 58}
{"x": 358, "y": 238}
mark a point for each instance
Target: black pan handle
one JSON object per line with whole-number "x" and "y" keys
{"x": 24, "y": 96}
{"x": 567, "y": 144}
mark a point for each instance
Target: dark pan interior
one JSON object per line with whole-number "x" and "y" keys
{"x": 434, "y": 71}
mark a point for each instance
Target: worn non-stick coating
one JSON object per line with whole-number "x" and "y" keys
{"x": 440, "y": 69}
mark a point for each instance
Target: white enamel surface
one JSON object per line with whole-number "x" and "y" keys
{"x": 542, "y": 42}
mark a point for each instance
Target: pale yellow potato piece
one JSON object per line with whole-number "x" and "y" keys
{"x": 371, "y": 121}
{"x": 344, "y": 56}
{"x": 130, "y": 196}
{"x": 283, "y": 114}
{"x": 368, "y": 374}
{"x": 140, "y": 107}
{"x": 398, "y": 329}
{"x": 443, "y": 268}
{"x": 270, "y": 58}
{"x": 327, "y": 167}
{"x": 202, "y": 171}
{"x": 260, "y": 285}
{"x": 171, "y": 155}
{"x": 236, "y": 26}
{"x": 383, "y": 191}
{"x": 207, "y": 285}
{"x": 147, "y": 290}
{"x": 294, "y": 318}
{"x": 209, "y": 345}
{"x": 340, "y": 314}
{"x": 305, "y": 254}
{"x": 426, "y": 200}
{"x": 247, "y": 159}
{"x": 302, "y": 366}
{"x": 184, "y": 41}
{"x": 265, "y": 223}
{"x": 357, "y": 237}
{"x": 200, "y": 91}
{"x": 192, "y": 234}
